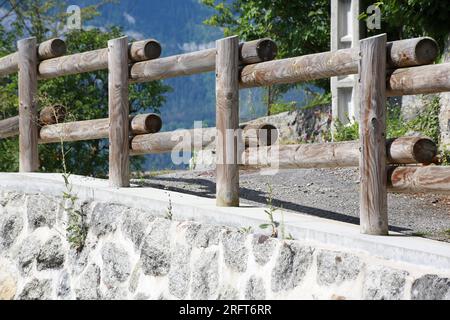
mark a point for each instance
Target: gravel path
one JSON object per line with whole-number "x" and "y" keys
{"x": 326, "y": 193}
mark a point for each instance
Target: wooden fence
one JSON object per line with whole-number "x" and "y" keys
{"x": 385, "y": 69}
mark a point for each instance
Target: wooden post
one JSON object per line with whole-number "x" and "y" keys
{"x": 227, "y": 118}
{"x": 119, "y": 171}
{"x": 28, "y": 122}
{"x": 372, "y": 163}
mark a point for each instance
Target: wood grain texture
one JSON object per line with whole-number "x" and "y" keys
{"x": 48, "y": 49}
{"x": 146, "y": 123}
{"x": 342, "y": 62}
{"x": 28, "y": 121}
{"x": 299, "y": 69}
{"x": 407, "y": 150}
{"x": 119, "y": 149}
{"x": 94, "y": 129}
{"x": 403, "y": 150}
{"x": 419, "y": 80}
{"x": 411, "y": 52}
{"x": 257, "y": 51}
{"x": 51, "y": 48}
{"x": 165, "y": 142}
{"x": 227, "y": 121}
{"x": 9, "y": 64}
{"x": 196, "y": 62}
{"x": 9, "y": 127}
{"x": 430, "y": 179}
{"x": 372, "y": 164}
{"x": 144, "y": 50}
{"x": 74, "y": 64}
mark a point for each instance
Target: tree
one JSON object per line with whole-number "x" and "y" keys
{"x": 298, "y": 28}
{"x": 406, "y": 19}
{"x": 85, "y": 96}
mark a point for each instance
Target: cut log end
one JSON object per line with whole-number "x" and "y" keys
{"x": 427, "y": 50}
{"x": 407, "y": 150}
{"x": 152, "y": 49}
{"x": 425, "y": 151}
{"x": 146, "y": 123}
{"x": 51, "y": 49}
{"x": 267, "y": 49}
{"x": 257, "y": 51}
{"x": 144, "y": 50}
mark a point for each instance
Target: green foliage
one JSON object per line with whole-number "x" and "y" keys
{"x": 426, "y": 123}
{"x": 84, "y": 95}
{"x": 270, "y": 211}
{"x": 280, "y": 106}
{"x": 406, "y": 19}
{"x": 346, "y": 132}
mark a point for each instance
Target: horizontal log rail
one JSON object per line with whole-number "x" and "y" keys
{"x": 49, "y": 115}
{"x": 96, "y": 129}
{"x": 196, "y": 139}
{"x": 46, "y": 50}
{"x": 402, "y": 53}
{"x": 429, "y": 179}
{"x": 95, "y": 60}
{"x": 199, "y": 61}
{"x": 403, "y": 150}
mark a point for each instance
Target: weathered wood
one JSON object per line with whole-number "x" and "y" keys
{"x": 412, "y": 52}
{"x": 298, "y": 69}
{"x": 257, "y": 51}
{"x": 227, "y": 122}
{"x": 9, "y": 64}
{"x": 332, "y": 64}
{"x": 119, "y": 160}
{"x": 430, "y": 179}
{"x": 419, "y": 80}
{"x": 403, "y": 150}
{"x": 51, "y": 48}
{"x": 406, "y": 150}
{"x": 144, "y": 50}
{"x": 51, "y": 115}
{"x": 197, "y": 62}
{"x": 92, "y": 60}
{"x": 48, "y": 49}
{"x": 146, "y": 123}
{"x": 28, "y": 122}
{"x": 75, "y": 131}
{"x": 372, "y": 164}
{"x": 259, "y": 134}
{"x": 75, "y": 63}
{"x": 9, "y": 127}
{"x": 95, "y": 129}
{"x": 165, "y": 142}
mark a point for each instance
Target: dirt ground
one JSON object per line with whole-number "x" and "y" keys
{"x": 326, "y": 193}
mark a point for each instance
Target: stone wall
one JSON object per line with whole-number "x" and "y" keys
{"x": 134, "y": 254}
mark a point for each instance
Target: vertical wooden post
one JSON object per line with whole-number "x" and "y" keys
{"x": 28, "y": 124}
{"x": 119, "y": 148}
{"x": 372, "y": 164}
{"x": 227, "y": 121}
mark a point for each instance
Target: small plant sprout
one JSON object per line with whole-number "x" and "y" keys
{"x": 169, "y": 213}
{"x": 270, "y": 211}
{"x": 246, "y": 230}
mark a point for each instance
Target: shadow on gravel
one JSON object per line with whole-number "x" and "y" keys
{"x": 208, "y": 189}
